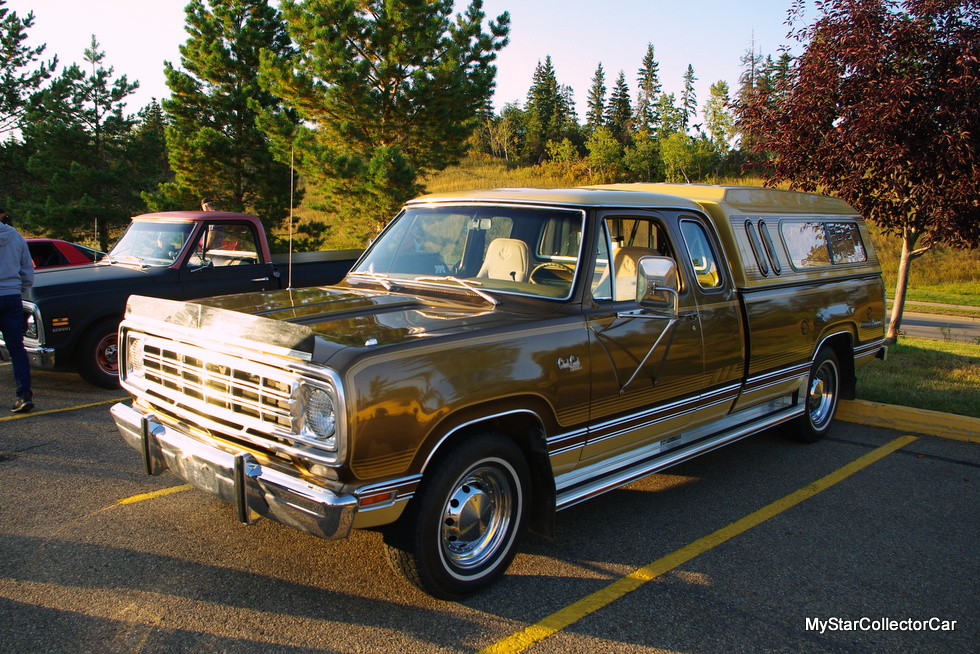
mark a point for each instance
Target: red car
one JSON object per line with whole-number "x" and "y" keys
{"x": 54, "y": 253}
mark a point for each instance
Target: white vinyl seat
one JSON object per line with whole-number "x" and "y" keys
{"x": 624, "y": 267}
{"x": 507, "y": 258}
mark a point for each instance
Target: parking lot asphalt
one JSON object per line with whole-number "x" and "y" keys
{"x": 863, "y": 542}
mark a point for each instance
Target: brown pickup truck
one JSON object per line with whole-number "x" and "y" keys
{"x": 497, "y": 356}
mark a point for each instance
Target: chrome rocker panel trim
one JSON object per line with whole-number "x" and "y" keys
{"x": 604, "y": 476}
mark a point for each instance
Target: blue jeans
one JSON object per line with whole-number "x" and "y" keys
{"x": 11, "y": 326}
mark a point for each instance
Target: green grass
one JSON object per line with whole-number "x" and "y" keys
{"x": 964, "y": 293}
{"x": 942, "y": 274}
{"x": 925, "y": 374}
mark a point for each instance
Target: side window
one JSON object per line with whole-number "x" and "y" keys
{"x": 760, "y": 256}
{"x": 806, "y": 243}
{"x": 814, "y": 244}
{"x": 627, "y": 239}
{"x": 227, "y": 245}
{"x": 601, "y": 278}
{"x": 703, "y": 258}
{"x": 846, "y": 245}
{"x": 45, "y": 254}
{"x": 770, "y": 247}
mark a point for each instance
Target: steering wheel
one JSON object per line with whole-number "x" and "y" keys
{"x": 552, "y": 265}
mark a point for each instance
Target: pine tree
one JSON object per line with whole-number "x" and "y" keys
{"x": 17, "y": 80}
{"x": 385, "y": 91}
{"x": 147, "y": 150}
{"x": 549, "y": 111}
{"x": 78, "y": 140}
{"x": 619, "y": 112}
{"x": 647, "y": 115}
{"x": 689, "y": 99}
{"x": 596, "y": 101}
{"x": 752, "y": 71}
{"x": 671, "y": 116}
{"x": 719, "y": 121}
{"x": 216, "y": 147}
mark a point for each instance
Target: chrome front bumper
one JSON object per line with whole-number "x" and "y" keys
{"x": 40, "y": 357}
{"x": 236, "y": 477}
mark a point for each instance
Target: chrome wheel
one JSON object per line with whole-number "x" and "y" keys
{"x": 477, "y": 516}
{"x": 820, "y": 403}
{"x": 822, "y": 398}
{"x": 460, "y": 531}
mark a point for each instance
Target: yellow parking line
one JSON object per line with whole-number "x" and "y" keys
{"x": 158, "y": 493}
{"x": 67, "y": 408}
{"x": 563, "y": 618}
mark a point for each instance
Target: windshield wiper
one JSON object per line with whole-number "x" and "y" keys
{"x": 378, "y": 277}
{"x": 465, "y": 284}
{"x": 118, "y": 259}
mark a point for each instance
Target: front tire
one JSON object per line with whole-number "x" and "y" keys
{"x": 822, "y": 395}
{"x": 97, "y": 358}
{"x": 460, "y": 532}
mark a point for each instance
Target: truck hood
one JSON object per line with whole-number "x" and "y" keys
{"x": 89, "y": 277}
{"x": 320, "y": 322}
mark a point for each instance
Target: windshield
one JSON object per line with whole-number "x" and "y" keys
{"x": 151, "y": 243}
{"x": 519, "y": 250}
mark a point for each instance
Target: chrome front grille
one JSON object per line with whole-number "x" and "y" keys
{"x": 240, "y": 394}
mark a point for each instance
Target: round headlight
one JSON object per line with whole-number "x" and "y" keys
{"x": 321, "y": 415}
{"x": 30, "y": 325}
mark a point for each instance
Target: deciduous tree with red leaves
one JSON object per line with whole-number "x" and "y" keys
{"x": 882, "y": 109}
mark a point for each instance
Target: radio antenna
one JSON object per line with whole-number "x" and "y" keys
{"x": 289, "y": 283}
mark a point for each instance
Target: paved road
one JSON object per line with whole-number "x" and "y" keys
{"x": 941, "y": 328}
{"x": 736, "y": 552}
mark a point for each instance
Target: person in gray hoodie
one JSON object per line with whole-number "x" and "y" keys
{"x": 16, "y": 275}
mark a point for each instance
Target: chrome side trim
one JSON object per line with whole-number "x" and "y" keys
{"x": 567, "y": 441}
{"x": 721, "y": 395}
{"x": 777, "y": 377}
{"x": 464, "y": 425}
{"x": 604, "y": 476}
{"x": 402, "y": 490}
{"x": 872, "y": 347}
{"x": 625, "y": 424}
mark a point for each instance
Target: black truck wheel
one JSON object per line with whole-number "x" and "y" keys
{"x": 820, "y": 403}
{"x": 97, "y": 357}
{"x": 460, "y": 532}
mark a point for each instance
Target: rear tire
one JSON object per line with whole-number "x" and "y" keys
{"x": 97, "y": 357}
{"x": 460, "y": 531}
{"x": 820, "y": 403}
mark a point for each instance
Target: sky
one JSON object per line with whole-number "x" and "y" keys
{"x": 137, "y": 36}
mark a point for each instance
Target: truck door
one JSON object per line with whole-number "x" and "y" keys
{"x": 647, "y": 369}
{"x": 225, "y": 259}
{"x": 719, "y": 319}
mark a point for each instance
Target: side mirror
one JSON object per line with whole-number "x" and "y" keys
{"x": 204, "y": 265}
{"x": 656, "y": 284}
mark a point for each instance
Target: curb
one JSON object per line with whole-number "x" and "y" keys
{"x": 901, "y": 418}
